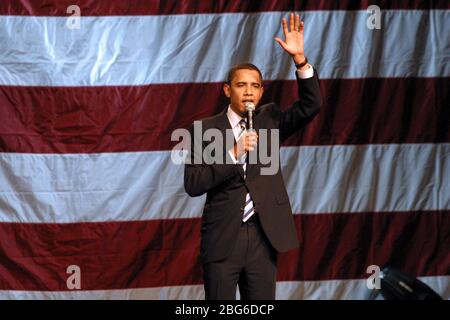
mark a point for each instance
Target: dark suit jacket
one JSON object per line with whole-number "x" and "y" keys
{"x": 226, "y": 187}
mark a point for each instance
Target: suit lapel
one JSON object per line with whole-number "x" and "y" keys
{"x": 224, "y": 124}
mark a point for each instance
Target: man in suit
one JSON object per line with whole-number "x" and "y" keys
{"x": 247, "y": 218}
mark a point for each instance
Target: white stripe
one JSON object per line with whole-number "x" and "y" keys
{"x": 367, "y": 178}
{"x": 93, "y": 187}
{"x": 292, "y": 290}
{"x": 139, "y": 50}
{"x": 347, "y": 289}
{"x": 147, "y": 185}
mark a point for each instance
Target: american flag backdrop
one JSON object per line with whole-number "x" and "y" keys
{"x": 88, "y": 105}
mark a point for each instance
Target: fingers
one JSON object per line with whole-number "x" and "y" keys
{"x": 285, "y": 28}
{"x": 297, "y": 22}
{"x": 247, "y": 142}
{"x": 251, "y": 145}
{"x": 291, "y": 22}
{"x": 281, "y": 43}
{"x": 250, "y": 141}
{"x": 252, "y": 134}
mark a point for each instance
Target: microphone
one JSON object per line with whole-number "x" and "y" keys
{"x": 250, "y": 107}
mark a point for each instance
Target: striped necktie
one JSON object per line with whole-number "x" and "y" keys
{"x": 249, "y": 207}
{"x": 242, "y": 125}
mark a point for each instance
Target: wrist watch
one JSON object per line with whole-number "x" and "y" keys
{"x": 300, "y": 65}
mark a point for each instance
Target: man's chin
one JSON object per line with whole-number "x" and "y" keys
{"x": 241, "y": 110}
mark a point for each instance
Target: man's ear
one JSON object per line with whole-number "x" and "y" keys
{"x": 226, "y": 90}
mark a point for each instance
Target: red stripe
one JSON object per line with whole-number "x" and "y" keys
{"x": 142, "y": 118}
{"x": 115, "y": 255}
{"x": 164, "y": 7}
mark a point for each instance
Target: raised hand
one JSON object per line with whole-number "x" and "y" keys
{"x": 293, "y": 44}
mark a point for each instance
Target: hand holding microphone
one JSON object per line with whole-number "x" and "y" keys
{"x": 249, "y": 139}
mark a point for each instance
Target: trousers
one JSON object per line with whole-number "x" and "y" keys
{"x": 252, "y": 265}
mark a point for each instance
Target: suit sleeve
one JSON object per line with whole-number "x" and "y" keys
{"x": 200, "y": 177}
{"x": 304, "y": 110}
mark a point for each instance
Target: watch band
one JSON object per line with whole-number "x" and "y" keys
{"x": 300, "y": 65}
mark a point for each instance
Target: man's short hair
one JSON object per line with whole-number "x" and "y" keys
{"x": 246, "y": 66}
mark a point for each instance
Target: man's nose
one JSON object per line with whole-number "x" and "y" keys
{"x": 248, "y": 91}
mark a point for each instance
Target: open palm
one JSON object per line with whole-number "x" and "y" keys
{"x": 293, "y": 43}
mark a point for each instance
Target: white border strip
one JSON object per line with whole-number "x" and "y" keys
{"x": 289, "y": 290}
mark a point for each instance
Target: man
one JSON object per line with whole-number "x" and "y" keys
{"x": 247, "y": 217}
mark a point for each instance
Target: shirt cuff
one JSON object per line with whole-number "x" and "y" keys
{"x": 308, "y": 73}
{"x": 231, "y": 153}
{"x": 241, "y": 158}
